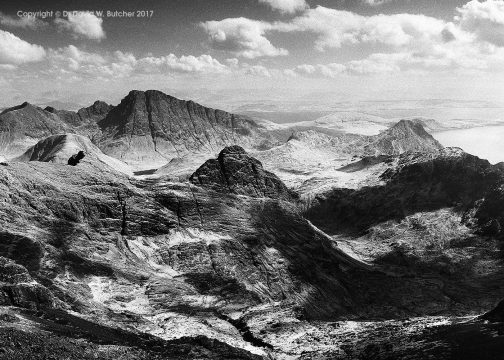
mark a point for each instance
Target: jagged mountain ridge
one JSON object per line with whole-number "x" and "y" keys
{"x": 310, "y": 156}
{"x": 155, "y": 127}
{"x": 147, "y": 129}
{"x": 22, "y": 126}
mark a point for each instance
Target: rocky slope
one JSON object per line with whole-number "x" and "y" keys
{"x": 59, "y": 149}
{"x": 229, "y": 255}
{"x": 21, "y": 126}
{"x": 413, "y": 182}
{"x": 312, "y": 157}
{"x": 85, "y": 120}
{"x": 152, "y": 127}
{"x": 238, "y": 173}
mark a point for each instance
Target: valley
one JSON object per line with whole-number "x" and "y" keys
{"x": 191, "y": 232}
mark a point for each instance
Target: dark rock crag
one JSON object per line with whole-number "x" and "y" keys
{"x": 76, "y": 158}
{"x": 234, "y": 171}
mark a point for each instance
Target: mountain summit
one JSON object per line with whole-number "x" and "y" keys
{"x": 154, "y": 127}
{"x": 406, "y": 135}
{"x": 236, "y": 172}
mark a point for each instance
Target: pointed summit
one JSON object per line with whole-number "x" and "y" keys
{"x": 236, "y": 172}
{"x": 406, "y": 135}
{"x": 149, "y": 128}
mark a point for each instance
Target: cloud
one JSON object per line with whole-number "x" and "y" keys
{"x": 286, "y": 6}
{"x": 258, "y": 70}
{"x": 71, "y": 60}
{"x": 26, "y": 22}
{"x": 15, "y": 51}
{"x": 406, "y": 41}
{"x": 331, "y": 70}
{"x": 83, "y": 25}
{"x": 242, "y": 37}
{"x": 376, "y": 2}
{"x": 319, "y": 70}
{"x": 335, "y": 28}
{"x": 183, "y": 64}
{"x": 484, "y": 19}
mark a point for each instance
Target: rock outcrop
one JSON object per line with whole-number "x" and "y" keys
{"x": 17, "y": 288}
{"x": 234, "y": 171}
{"x": 22, "y": 126}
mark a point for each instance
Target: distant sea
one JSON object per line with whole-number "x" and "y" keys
{"x": 486, "y": 142}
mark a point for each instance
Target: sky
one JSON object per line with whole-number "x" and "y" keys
{"x": 234, "y": 51}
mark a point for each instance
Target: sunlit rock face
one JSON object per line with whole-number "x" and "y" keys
{"x": 236, "y": 172}
{"x": 154, "y": 127}
{"x": 231, "y": 263}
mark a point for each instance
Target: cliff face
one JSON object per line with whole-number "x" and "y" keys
{"x": 413, "y": 182}
{"x": 155, "y": 127}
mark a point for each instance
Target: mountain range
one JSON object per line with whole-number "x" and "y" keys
{"x": 187, "y": 232}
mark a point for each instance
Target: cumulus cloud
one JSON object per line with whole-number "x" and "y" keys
{"x": 325, "y": 70}
{"x": 184, "y": 64}
{"x": 242, "y": 37}
{"x": 485, "y": 19}
{"x": 15, "y": 51}
{"x": 27, "y": 22}
{"x": 71, "y": 60}
{"x": 83, "y": 25}
{"x": 376, "y": 2}
{"x": 286, "y": 6}
{"x": 335, "y": 28}
{"x": 258, "y": 70}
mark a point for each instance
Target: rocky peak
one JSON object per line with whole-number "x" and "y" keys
{"x": 236, "y": 172}
{"x": 17, "y": 107}
{"x": 96, "y": 112}
{"x": 156, "y": 127}
{"x": 406, "y": 135}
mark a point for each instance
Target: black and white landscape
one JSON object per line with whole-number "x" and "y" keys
{"x": 299, "y": 222}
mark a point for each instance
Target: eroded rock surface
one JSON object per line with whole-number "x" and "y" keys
{"x": 236, "y": 172}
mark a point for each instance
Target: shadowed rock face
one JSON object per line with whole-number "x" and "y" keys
{"x": 414, "y": 182}
{"x": 17, "y": 287}
{"x": 236, "y": 172}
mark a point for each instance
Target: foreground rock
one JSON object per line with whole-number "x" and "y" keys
{"x": 230, "y": 257}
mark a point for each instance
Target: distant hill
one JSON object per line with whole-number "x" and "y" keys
{"x": 59, "y": 148}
